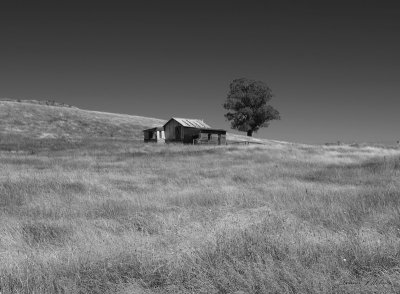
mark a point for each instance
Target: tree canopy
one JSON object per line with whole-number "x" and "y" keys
{"x": 247, "y": 105}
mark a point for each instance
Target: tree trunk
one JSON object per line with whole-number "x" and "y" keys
{"x": 250, "y": 133}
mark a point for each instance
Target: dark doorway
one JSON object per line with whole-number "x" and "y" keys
{"x": 178, "y": 133}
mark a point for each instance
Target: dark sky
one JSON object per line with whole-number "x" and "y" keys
{"x": 333, "y": 66}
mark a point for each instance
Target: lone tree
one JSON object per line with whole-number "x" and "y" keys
{"x": 247, "y": 105}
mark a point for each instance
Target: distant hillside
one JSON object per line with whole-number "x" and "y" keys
{"x": 45, "y": 121}
{"x": 40, "y": 102}
{"x": 49, "y": 120}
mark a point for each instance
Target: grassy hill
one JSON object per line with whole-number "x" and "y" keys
{"x": 41, "y": 121}
{"x": 30, "y": 123}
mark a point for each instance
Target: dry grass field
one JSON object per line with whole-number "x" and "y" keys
{"x": 115, "y": 217}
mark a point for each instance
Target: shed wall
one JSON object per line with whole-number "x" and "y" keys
{"x": 212, "y": 138}
{"x": 170, "y": 130}
{"x": 223, "y": 139}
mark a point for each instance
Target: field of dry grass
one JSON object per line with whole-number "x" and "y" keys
{"x": 122, "y": 218}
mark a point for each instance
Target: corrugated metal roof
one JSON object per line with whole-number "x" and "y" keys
{"x": 192, "y": 123}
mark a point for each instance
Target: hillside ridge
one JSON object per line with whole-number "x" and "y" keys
{"x": 39, "y": 121}
{"x": 47, "y": 119}
{"x": 48, "y": 102}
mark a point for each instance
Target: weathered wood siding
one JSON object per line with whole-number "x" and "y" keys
{"x": 154, "y": 135}
{"x": 208, "y": 139}
{"x": 160, "y": 137}
{"x": 223, "y": 139}
{"x": 170, "y": 130}
{"x": 212, "y": 139}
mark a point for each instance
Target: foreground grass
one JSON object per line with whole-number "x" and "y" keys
{"x": 119, "y": 218}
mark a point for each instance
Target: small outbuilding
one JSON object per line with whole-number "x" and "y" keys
{"x": 156, "y": 135}
{"x": 193, "y": 131}
{"x": 188, "y": 131}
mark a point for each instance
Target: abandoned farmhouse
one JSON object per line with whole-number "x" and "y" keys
{"x": 188, "y": 131}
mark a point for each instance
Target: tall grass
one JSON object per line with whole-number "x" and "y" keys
{"x": 119, "y": 217}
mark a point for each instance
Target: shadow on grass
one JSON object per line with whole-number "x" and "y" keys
{"x": 372, "y": 172}
{"x": 41, "y": 233}
{"x": 128, "y": 217}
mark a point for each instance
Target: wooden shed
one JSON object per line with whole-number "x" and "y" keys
{"x": 156, "y": 135}
{"x": 193, "y": 131}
